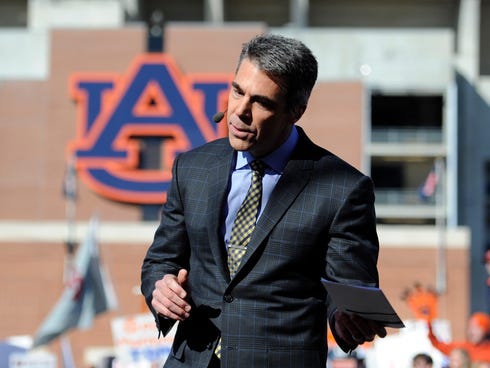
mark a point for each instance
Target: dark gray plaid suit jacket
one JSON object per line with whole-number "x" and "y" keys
{"x": 319, "y": 222}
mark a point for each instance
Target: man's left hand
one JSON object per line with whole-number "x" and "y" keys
{"x": 354, "y": 330}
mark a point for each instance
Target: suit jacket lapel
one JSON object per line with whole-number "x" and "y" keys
{"x": 217, "y": 191}
{"x": 292, "y": 182}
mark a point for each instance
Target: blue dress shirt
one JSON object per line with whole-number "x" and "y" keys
{"x": 242, "y": 173}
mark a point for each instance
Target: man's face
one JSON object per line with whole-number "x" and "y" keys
{"x": 257, "y": 117}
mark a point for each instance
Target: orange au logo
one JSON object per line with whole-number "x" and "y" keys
{"x": 116, "y": 113}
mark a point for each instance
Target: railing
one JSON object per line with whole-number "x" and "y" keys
{"x": 399, "y": 197}
{"x": 406, "y": 135}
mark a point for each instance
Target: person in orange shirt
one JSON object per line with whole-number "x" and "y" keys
{"x": 476, "y": 344}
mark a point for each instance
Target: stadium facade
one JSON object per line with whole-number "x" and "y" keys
{"x": 403, "y": 90}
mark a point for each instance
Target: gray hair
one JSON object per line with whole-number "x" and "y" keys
{"x": 288, "y": 62}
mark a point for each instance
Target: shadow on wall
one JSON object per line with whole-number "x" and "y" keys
{"x": 473, "y": 136}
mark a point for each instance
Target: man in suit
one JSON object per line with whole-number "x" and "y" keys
{"x": 316, "y": 220}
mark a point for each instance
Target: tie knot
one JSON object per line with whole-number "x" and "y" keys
{"x": 258, "y": 166}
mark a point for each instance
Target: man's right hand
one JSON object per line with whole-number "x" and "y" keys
{"x": 170, "y": 297}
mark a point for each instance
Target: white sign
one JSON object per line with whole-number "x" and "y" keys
{"x": 38, "y": 359}
{"x": 136, "y": 341}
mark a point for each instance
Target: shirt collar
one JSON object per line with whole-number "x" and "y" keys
{"x": 277, "y": 159}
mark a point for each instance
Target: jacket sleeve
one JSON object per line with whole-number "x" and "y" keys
{"x": 353, "y": 248}
{"x": 169, "y": 251}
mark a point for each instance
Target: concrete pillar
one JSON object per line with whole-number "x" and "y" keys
{"x": 299, "y": 12}
{"x": 467, "y": 56}
{"x": 213, "y": 11}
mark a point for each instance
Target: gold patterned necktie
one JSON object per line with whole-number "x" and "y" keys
{"x": 244, "y": 224}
